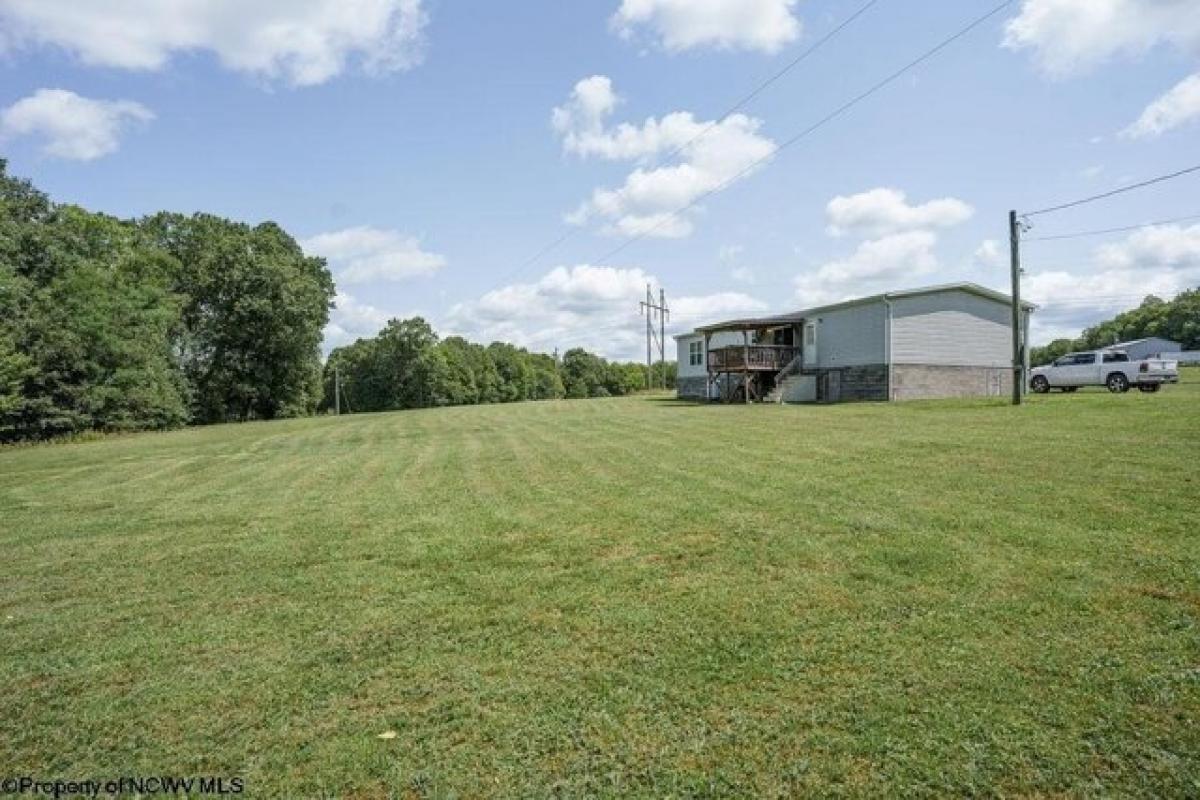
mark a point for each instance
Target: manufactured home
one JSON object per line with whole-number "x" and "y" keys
{"x": 953, "y": 340}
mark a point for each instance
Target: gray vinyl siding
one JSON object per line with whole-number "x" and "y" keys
{"x": 851, "y": 337}
{"x": 952, "y": 328}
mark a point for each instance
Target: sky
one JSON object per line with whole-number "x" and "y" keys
{"x": 521, "y": 171}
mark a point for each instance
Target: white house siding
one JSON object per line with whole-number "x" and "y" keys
{"x": 952, "y": 328}
{"x": 685, "y": 367}
{"x": 951, "y": 344}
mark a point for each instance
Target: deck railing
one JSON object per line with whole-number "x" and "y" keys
{"x": 754, "y": 357}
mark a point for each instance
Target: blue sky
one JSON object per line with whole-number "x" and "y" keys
{"x": 415, "y": 144}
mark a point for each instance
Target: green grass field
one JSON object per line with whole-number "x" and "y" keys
{"x": 617, "y": 597}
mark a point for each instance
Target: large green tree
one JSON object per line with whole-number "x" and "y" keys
{"x": 87, "y": 320}
{"x": 116, "y": 325}
{"x": 254, "y": 307}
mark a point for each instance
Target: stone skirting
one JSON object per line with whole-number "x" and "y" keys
{"x": 926, "y": 381}
{"x": 693, "y": 387}
{"x": 839, "y": 384}
{"x": 870, "y": 382}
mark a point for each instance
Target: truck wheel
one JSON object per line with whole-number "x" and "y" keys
{"x": 1148, "y": 387}
{"x": 1039, "y": 384}
{"x": 1117, "y": 382}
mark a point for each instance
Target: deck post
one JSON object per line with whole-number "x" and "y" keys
{"x": 707, "y": 369}
{"x": 746, "y": 366}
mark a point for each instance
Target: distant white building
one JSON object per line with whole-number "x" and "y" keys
{"x": 1149, "y": 347}
{"x": 953, "y": 340}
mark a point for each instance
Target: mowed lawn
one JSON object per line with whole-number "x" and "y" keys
{"x": 617, "y": 597}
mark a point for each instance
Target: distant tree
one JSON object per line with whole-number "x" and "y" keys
{"x": 670, "y": 368}
{"x": 584, "y": 374}
{"x": 401, "y": 367}
{"x": 1047, "y": 353}
{"x": 459, "y": 386}
{"x": 1180, "y": 320}
{"x": 547, "y": 383}
{"x": 516, "y": 374}
{"x": 15, "y": 366}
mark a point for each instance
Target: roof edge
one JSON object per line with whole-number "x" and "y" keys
{"x": 963, "y": 286}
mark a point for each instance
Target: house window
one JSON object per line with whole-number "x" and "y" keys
{"x": 695, "y": 353}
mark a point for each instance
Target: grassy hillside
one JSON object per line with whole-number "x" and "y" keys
{"x": 608, "y": 597}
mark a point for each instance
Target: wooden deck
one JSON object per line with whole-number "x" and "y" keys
{"x": 750, "y": 358}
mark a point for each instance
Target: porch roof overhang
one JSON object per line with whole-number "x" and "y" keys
{"x": 752, "y": 323}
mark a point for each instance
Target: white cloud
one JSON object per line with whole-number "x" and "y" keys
{"x": 1162, "y": 260}
{"x": 72, "y": 127}
{"x": 711, "y": 154}
{"x": 362, "y": 254}
{"x": 989, "y": 255}
{"x": 765, "y": 25}
{"x": 688, "y": 312}
{"x": 582, "y": 117}
{"x": 1178, "y": 106}
{"x": 1091, "y": 172}
{"x": 875, "y": 265}
{"x": 883, "y": 211}
{"x": 1069, "y": 302}
{"x": 595, "y": 307}
{"x": 352, "y": 319}
{"x": 1071, "y": 36}
{"x": 301, "y": 42}
{"x": 1170, "y": 247}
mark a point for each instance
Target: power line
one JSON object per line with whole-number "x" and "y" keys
{"x": 1121, "y": 190}
{"x": 1081, "y": 234}
{"x": 534, "y": 258}
{"x": 1091, "y": 301}
{"x": 759, "y": 89}
{"x": 928, "y": 54}
{"x": 817, "y": 45}
{"x": 1101, "y": 300}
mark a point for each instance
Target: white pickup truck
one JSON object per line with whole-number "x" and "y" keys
{"x": 1111, "y": 368}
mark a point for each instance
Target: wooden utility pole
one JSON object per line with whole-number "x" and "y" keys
{"x": 1018, "y": 359}
{"x": 649, "y": 308}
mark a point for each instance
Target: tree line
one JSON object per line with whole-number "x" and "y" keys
{"x": 406, "y": 365}
{"x": 119, "y": 325}
{"x": 110, "y": 324}
{"x": 1178, "y": 320}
